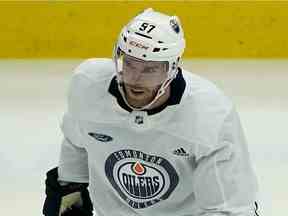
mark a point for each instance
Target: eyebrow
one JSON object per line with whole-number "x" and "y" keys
{"x": 155, "y": 63}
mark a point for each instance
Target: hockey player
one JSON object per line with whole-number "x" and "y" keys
{"x": 148, "y": 137}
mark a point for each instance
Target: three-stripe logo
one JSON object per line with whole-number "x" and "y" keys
{"x": 180, "y": 152}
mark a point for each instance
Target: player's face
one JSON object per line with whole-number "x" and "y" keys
{"x": 142, "y": 79}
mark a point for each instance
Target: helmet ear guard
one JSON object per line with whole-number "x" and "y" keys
{"x": 155, "y": 37}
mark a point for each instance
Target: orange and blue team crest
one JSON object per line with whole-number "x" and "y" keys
{"x": 140, "y": 179}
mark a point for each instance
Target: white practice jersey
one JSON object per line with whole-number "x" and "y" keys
{"x": 189, "y": 159}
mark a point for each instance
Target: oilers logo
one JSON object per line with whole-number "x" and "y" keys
{"x": 140, "y": 179}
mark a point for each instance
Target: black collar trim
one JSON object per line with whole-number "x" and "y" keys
{"x": 177, "y": 89}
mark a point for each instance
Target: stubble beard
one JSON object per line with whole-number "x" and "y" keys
{"x": 142, "y": 99}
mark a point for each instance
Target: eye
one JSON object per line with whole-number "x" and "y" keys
{"x": 149, "y": 70}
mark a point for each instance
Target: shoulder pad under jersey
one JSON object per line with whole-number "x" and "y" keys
{"x": 90, "y": 82}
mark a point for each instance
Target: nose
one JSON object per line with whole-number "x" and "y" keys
{"x": 136, "y": 76}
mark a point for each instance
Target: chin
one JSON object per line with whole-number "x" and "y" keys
{"x": 138, "y": 103}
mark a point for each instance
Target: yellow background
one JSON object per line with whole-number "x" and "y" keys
{"x": 49, "y": 29}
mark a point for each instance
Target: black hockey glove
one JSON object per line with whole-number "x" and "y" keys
{"x": 71, "y": 199}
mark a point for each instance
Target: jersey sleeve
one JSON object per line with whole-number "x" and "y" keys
{"x": 225, "y": 183}
{"x": 73, "y": 163}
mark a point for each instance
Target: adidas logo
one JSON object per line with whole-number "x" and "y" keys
{"x": 180, "y": 152}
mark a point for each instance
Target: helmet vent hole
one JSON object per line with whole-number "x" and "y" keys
{"x": 156, "y": 49}
{"x": 165, "y": 49}
{"x": 160, "y": 42}
{"x": 129, "y": 50}
{"x": 124, "y": 38}
{"x": 144, "y": 55}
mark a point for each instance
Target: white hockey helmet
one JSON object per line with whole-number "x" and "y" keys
{"x": 151, "y": 36}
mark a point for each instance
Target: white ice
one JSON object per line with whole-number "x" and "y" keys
{"x": 32, "y": 101}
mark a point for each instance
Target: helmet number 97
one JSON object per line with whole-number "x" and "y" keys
{"x": 146, "y": 27}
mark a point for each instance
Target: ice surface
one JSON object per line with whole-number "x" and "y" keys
{"x": 32, "y": 101}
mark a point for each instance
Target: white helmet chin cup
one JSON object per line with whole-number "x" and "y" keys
{"x": 152, "y": 36}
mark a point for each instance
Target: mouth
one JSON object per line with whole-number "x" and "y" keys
{"x": 136, "y": 90}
